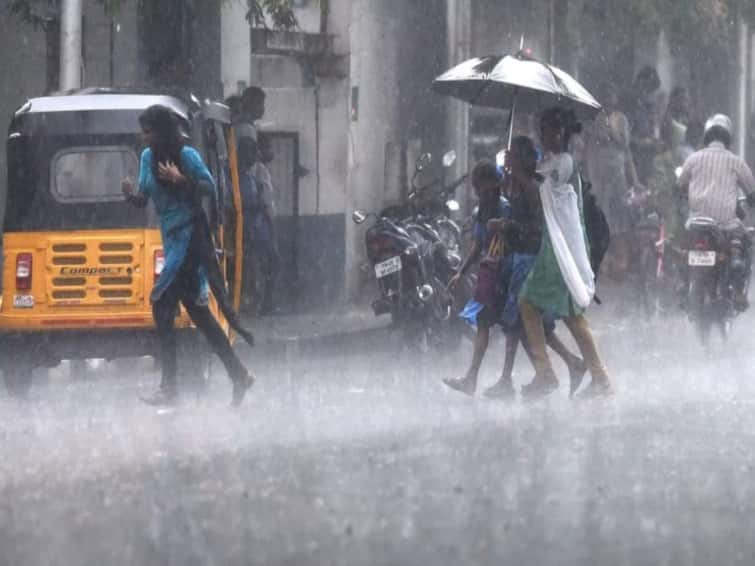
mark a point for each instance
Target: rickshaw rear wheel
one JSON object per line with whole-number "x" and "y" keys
{"x": 17, "y": 377}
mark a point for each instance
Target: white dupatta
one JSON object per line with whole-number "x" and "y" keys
{"x": 561, "y": 207}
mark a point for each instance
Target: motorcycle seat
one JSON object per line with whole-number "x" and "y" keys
{"x": 700, "y": 222}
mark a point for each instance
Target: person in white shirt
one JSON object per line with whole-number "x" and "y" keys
{"x": 266, "y": 190}
{"x": 713, "y": 178}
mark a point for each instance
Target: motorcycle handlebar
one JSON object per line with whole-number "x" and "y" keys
{"x": 444, "y": 190}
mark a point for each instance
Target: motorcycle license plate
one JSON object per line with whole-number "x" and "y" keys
{"x": 387, "y": 267}
{"x": 702, "y": 259}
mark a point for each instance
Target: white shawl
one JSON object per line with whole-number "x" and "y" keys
{"x": 561, "y": 206}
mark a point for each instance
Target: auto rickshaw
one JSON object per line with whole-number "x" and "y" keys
{"x": 79, "y": 262}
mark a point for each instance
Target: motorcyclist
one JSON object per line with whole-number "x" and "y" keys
{"x": 712, "y": 178}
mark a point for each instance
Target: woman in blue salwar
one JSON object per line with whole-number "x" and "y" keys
{"x": 175, "y": 178}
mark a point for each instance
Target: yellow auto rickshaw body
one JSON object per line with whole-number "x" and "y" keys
{"x": 79, "y": 263}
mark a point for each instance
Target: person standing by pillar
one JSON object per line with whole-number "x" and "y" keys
{"x": 259, "y": 249}
{"x": 270, "y": 256}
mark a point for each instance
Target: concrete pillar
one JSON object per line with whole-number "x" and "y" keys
{"x": 743, "y": 79}
{"x": 71, "y": 12}
{"x": 459, "y": 45}
{"x": 374, "y": 124}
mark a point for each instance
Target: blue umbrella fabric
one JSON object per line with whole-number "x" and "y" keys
{"x": 505, "y": 81}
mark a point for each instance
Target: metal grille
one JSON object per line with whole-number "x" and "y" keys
{"x": 87, "y": 273}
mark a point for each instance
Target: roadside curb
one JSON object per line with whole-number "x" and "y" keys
{"x": 345, "y": 333}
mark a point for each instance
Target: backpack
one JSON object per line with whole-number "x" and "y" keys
{"x": 596, "y": 226}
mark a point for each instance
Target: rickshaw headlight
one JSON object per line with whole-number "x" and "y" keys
{"x": 159, "y": 263}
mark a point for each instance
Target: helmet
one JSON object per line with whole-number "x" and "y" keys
{"x": 719, "y": 121}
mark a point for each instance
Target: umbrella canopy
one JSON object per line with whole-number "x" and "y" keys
{"x": 508, "y": 81}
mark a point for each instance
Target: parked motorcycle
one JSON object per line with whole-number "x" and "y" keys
{"x": 413, "y": 266}
{"x": 410, "y": 291}
{"x": 435, "y": 204}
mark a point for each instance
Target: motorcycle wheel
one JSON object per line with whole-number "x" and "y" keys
{"x": 697, "y": 308}
{"x": 411, "y": 327}
{"x": 649, "y": 281}
{"x": 725, "y": 328}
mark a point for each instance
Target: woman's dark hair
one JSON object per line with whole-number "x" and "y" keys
{"x": 525, "y": 150}
{"x": 233, "y": 103}
{"x": 252, "y": 97}
{"x": 717, "y": 133}
{"x": 676, "y": 99}
{"x": 167, "y": 140}
{"x": 648, "y": 76}
{"x": 695, "y": 131}
{"x": 609, "y": 88}
{"x": 564, "y": 120}
{"x": 485, "y": 171}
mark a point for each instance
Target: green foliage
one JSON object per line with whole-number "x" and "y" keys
{"x": 42, "y": 12}
{"x": 280, "y": 13}
{"x": 38, "y": 13}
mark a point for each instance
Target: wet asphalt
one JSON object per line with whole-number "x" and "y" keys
{"x": 356, "y": 455}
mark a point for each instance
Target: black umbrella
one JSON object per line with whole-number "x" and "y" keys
{"x": 519, "y": 83}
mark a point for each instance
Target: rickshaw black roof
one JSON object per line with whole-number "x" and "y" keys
{"x": 90, "y": 112}
{"x": 85, "y": 102}
{"x": 103, "y": 111}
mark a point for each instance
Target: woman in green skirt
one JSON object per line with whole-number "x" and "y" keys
{"x": 561, "y": 282}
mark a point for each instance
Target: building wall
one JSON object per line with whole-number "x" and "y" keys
{"x": 374, "y": 128}
{"x": 398, "y": 48}
{"x": 315, "y": 108}
{"x": 389, "y": 53}
{"x": 98, "y": 57}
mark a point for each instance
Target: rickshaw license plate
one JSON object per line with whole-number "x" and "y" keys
{"x": 702, "y": 259}
{"x": 387, "y": 267}
{"x": 23, "y": 301}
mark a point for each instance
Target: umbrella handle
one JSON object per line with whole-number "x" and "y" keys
{"x": 511, "y": 119}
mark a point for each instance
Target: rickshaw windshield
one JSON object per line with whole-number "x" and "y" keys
{"x": 92, "y": 174}
{"x": 72, "y": 182}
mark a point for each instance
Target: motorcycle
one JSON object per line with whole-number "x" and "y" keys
{"x": 651, "y": 270}
{"x": 412, "y": 267}
{"x": 434, "y": 204}
{"x": 717, "y": 265}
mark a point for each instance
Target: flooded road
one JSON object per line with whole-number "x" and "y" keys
{"x": 358, "y": 456}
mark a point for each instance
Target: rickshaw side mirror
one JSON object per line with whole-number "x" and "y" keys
{"x": 359, "y": 217}
{"x": 424, "y": 161}
{"x": 449, "y": 159}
